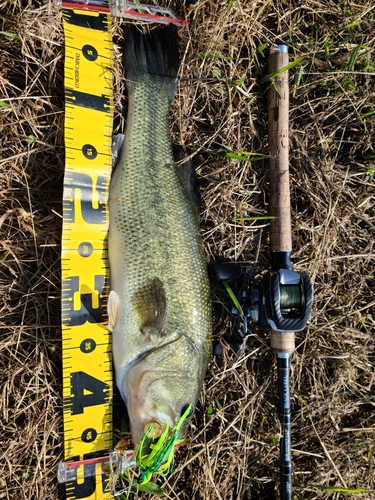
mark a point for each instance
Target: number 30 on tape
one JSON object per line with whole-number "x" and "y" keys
{"x": 87, "y": 363}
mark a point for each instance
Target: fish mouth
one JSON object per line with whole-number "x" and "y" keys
{"x": 146, "y": 405}
{"x": 155, "y": 454}
{"x": 139, "y": 378}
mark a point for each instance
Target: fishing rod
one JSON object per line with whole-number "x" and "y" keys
{"x": 290, "y": 292}
{"x": 282, "y": 301}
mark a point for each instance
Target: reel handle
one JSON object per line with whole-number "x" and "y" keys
{"x": 278, "y": 120}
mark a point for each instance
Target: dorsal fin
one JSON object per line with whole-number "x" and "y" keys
{"x": 188, "y": 178}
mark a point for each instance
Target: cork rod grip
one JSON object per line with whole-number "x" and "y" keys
{"x": 278, "y": 118}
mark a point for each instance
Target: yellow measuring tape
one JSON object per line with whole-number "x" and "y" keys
{"x": 87, "y": 360}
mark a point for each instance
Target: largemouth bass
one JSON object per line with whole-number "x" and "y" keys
{"x": 159, "y": 305}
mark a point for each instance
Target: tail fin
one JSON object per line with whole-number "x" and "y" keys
{"x": 154, "y": 53}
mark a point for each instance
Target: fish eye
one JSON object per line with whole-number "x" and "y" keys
{"x": 184, "y": 408}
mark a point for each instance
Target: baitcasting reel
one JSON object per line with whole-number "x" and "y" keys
{"x": 281, "y": 302}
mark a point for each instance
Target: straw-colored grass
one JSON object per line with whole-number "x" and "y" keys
{"x": 221, "y": 107}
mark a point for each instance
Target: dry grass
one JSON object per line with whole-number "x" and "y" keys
{"x": 221, "y": 107}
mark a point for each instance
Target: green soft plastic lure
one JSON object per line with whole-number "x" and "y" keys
{"x": 159, "y": 458}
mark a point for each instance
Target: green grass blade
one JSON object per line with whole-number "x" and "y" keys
{"x": 278, "y": 90}
{"x": 289, "y": 66}
{"x": 297, "y": 79}
{"x": 233, "y": 297}
{"x": 338, "y": 489}
{"x": 367, "y": 66}
{"x": 151, "y": 488}
{"x": 261, "y": 49}
{"x": 210, "y": 55}
{"x": 235, "y": 156}
{"x": 350, "y": 25}
{"x": 3, "y": 104}
{"x": 9, "y": 35}
{"x": 211, "y": 411}
{"x": 348, "y": 83}
{"x": 137, "y": 2}
{"x": 219, "y": 405}
{"x": 353, "y": 57}
{"x": 241, "y": 156}
{"x": 370, "y": 114}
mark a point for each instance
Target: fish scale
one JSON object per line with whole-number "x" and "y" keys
{"x": 154, "y": 239}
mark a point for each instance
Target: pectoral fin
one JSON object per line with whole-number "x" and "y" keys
{"x": 150, "y": 304}
{"x": 113, "y": 310}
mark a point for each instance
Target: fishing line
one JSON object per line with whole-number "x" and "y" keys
{"x": 291, "y": 298}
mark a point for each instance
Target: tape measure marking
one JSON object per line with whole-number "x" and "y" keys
{"x": 87, "y": 362}
{"x": 87, "y": 19}
{"x": 99, "y": 103}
